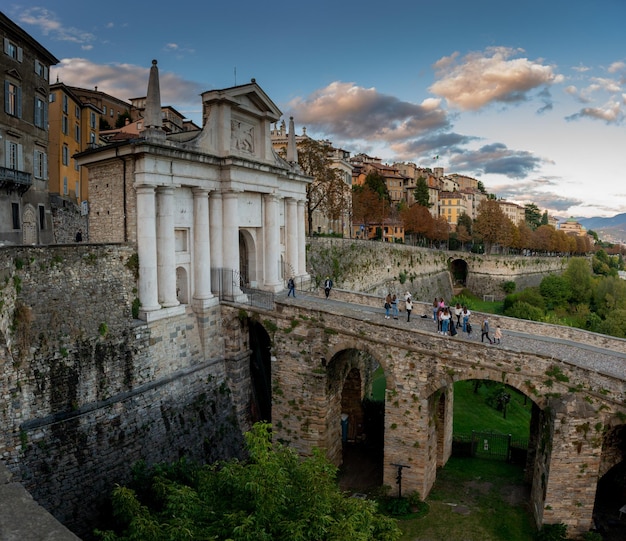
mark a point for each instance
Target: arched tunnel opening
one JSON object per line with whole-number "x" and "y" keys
{"x": 260, "y": 373}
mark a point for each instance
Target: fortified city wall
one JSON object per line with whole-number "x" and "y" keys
{"x": 379, "y": 268}
{"x": 88, "y": 390}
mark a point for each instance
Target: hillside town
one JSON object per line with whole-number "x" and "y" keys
{"x": 46, "y": 193}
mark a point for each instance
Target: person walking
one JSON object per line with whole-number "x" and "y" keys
{"x": 387, "y": 305}
{"x": 435, "y": 309}
{"x": 458, "y": 312}
{"x": 497, "y": 336}
{"x": 445, "y": 321}
{"x": 465, "y": 315}
{"x": 484, "y": 331}
{"x": 408, "y": 305}
{"x": 394, "y": 307}
{"x": 328, "y": 285}
{"x": 291, "y": 285}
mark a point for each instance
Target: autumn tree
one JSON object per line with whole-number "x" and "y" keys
{"x": 326, "y": 194}
{"x": 367, "y": 207}
{"x": 417, "y": 221}
{"x": 441, "y": 230}
{"x": 490, "y": 223}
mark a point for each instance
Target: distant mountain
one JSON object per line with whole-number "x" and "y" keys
{"x": 608, "y": 229}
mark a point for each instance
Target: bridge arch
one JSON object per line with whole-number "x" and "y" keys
{"x": 459, "y": 271}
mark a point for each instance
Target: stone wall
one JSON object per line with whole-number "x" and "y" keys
{"x": 379, "y": 268}
{"x": 90, "y": 390}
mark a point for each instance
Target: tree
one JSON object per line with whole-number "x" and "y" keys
{"x": 367, "y": 207}
{"x": 326, "y": 193}
{"x": 441, "y": 230}
{"x": 578, "y": 273}
{"x": 463, "y": 235}
{"x": 532, "y": 215}
{"x": 466, "y": 220}
{"x": 421, "y": 193}
{"x": 545, "y": 219}
{"x": 417, "y": 221}
{"x": 376, "y": 182}
{"x": 273, "y": 496}
{"x": 490, "y": 223}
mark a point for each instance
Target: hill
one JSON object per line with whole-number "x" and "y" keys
{"x": 608, "y": 229}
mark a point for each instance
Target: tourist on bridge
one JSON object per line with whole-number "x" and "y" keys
{"x": 328, "y": 285}
{"x": 291, "y": 285}
{"x": 484, "y": 331}
{"x": 408, "y": 305}
{"x": 435, "y": 309}
{"x": 458, "y": 312}
{"x": 387, "y": 305}
{"x": 445, "y": 321}
{"x": 466, "y": 316}
{"x": 497, "y": 336}
{"x": 394, "y": 307}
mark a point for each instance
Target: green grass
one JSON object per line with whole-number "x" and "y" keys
{"x": 379, "y": 384}
{"x": 492, "y": 492}
{"x": 471, "y": 412}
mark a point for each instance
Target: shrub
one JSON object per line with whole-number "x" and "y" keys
{"x": 552, "y": 532}
{"x": 523, "y": 310}
{"x": 508, "y": 287}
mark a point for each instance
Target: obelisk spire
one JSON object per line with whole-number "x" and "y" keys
{"x": 292, "y": 150}
{"x": 152, "y": 112}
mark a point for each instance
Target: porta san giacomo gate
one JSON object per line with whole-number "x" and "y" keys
{"x": 577, "y": 413}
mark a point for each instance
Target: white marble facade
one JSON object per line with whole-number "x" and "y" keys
{"x": 218, "y": 198}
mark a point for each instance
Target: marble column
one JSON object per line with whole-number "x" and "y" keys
{"x": 201, "y": 246}
{"x": 301, "y": 239}
{"x": 147, "y": 249}
{"x": 291, "y": 235}
{"x": 230, "y": 239}
{"x": 166, "y": 247}
{"x": 271, "y": 240}
{"x": 217, "y": 256}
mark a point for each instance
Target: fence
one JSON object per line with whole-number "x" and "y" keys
{"x": 230, "y": 285}
{"x": 490, "y": 445}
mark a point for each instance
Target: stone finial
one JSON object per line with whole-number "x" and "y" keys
{"x": 152, "y": 112}
{"x": 292, "y": 150}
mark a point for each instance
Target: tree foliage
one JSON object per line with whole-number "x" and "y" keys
{"x": 532, "y": 215}
{"x": 274, "y": 496}
{"x": 421, "y": 193}
{"x": 327, "y": 192}
{"x": 490, "y": 223}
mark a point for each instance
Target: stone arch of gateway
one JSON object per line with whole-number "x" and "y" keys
{"x": 320, "y": 357}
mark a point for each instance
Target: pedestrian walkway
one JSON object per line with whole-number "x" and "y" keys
{"x": 602, "y": 360}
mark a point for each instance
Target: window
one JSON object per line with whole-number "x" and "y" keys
{"x": 92, "y": 138}
{"x": 41, "y": 113}
{"x": 13, "y": 156}
{"x": 104, "y": 110}
{"x": 41, "y": 70}
{"x": 92, "y": 120}
{"x": 40, "y": 169}
{"x": 64, "y": 125}
{"x": 15, "y": 210}
{"x": 42, "y": 217}
{"x": 77, "y": 132}
{"x": 66, "y": 155}
{"x": 65, "y": 103}
{"x": 77, "y": 111}
{"x": 77, "y": 189}
{"x": 64, "y": 185}
{"x": 12, "y": 50}
{"x": 12, "y": 99}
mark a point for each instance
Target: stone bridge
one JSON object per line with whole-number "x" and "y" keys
{"x": 323, "y": 353}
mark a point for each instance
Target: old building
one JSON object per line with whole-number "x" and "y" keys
{"x": 25, "y": 216}
{"x": 202, "y": 205}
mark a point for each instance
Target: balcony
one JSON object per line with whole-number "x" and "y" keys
{"x": 14, "y": 180}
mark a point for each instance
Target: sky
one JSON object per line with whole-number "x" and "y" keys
{"x": 527, "y": 97}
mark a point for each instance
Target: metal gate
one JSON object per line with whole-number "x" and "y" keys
{"x": 490, "y": 445}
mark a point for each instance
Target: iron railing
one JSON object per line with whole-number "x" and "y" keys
{"x": 490, "y": 445}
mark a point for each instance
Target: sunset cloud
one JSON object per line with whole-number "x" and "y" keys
{"x": 481, "y": 78}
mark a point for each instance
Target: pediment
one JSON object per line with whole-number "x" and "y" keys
{"x": 14, "y": 73}
{"x": 249, "y": 99}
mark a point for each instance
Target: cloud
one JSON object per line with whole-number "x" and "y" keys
{"x": 437, "y": 143}
{"x": 349, "y": 111}
{"x": 611, "y": 113}
{"x": 482, "y": 78}
{"x": 49, "y": 25}
{"x": 497, "y": 159}
{"x": 126, "y": 81}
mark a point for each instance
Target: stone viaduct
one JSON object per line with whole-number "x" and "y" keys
{"x": 321, "y": 352}
{"x": 88, "y": 389}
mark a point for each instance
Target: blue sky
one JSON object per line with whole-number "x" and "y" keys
{"x": 528, "y": 97}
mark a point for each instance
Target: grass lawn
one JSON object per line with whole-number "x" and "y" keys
{"x": 476, "y": 499}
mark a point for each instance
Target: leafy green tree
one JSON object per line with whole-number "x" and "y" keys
{"x": 274, "y": 496}
{"x": 532, "y": 215}
{"x": 421, "y": 193}
{"x": 545, "y": 218}
{"x": 465, "y": 220}
{"x": 555, "y": 290}
{"x": 376, "y": 182}
{"x": 578, "y": 274}
{"x": 609, "y": 296}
